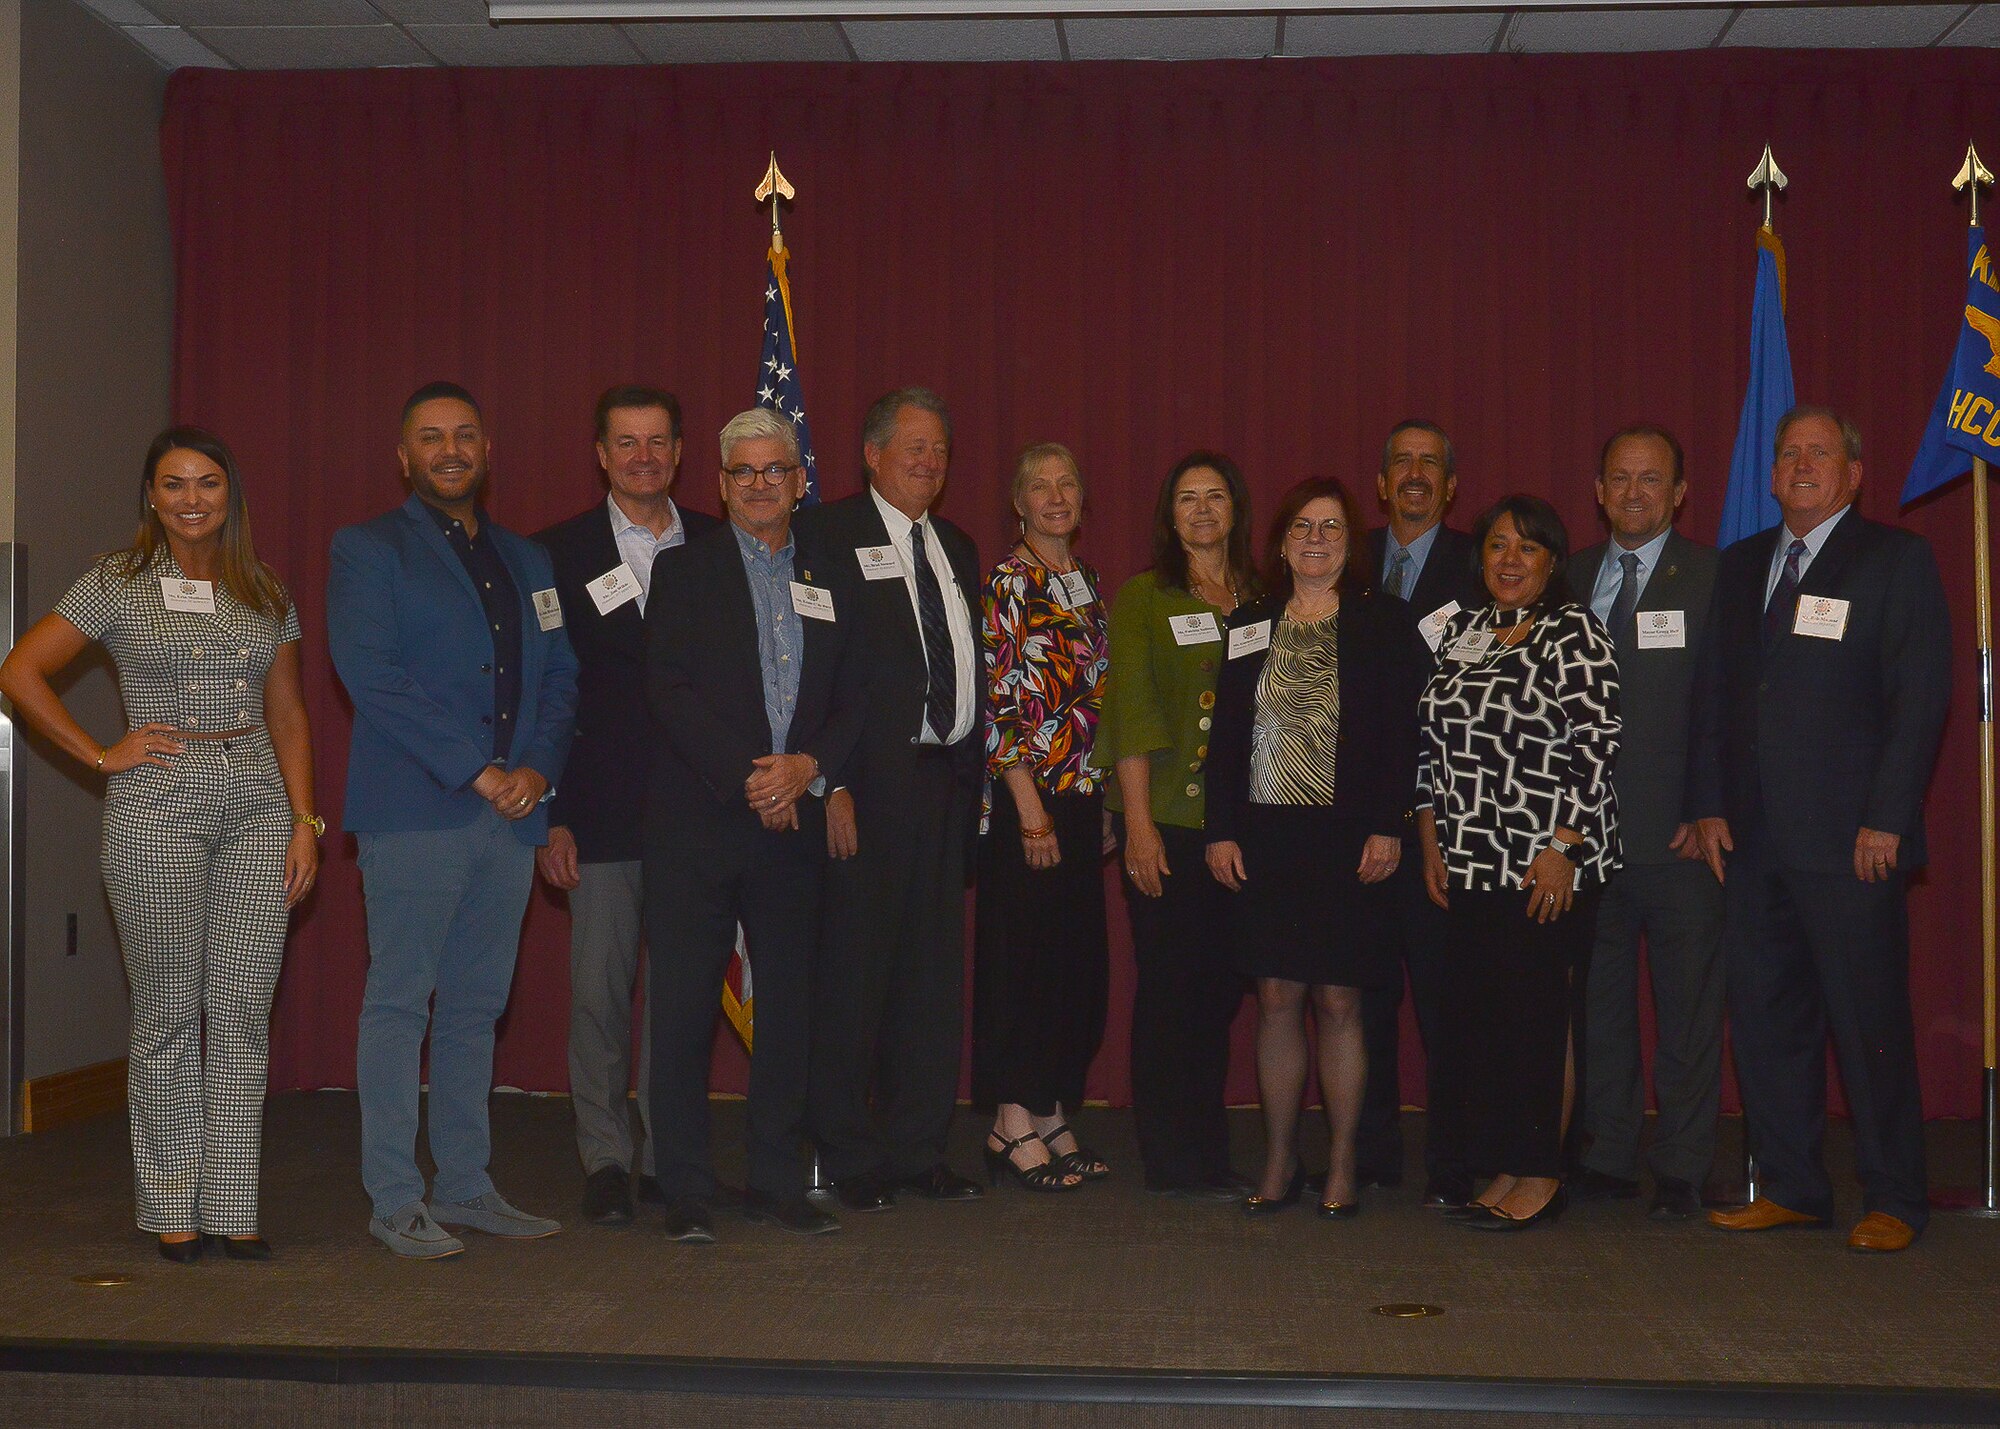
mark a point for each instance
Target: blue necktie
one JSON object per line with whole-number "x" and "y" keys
{"x": 1399, "y": 569}
{"x": 1784, "y": 595}
{"x": 941, "y": 699}
{"x": 1625, "y": 605}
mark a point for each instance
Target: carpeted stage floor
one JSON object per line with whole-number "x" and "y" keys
{"x": 1104, "y": 1279}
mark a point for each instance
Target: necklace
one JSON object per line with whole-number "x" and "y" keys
{"x": 1296, "y": 612}
{"x": 1039, "y": 559}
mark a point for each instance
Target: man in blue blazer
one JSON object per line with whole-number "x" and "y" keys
{"x": 1821, "y": 699}
{"x": 448, "y": 633}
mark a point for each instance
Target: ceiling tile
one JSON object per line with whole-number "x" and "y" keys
{"x": 1597, "y": 31}
{"x": 1307, "y": 35}
{"x": 691, "y": 42}
{"x": 1191, "y": 37}
{"x": 527, "y": 44}
{"x": 1982, "y": 27}
{"x": 954, "y": 39}
{"x": 175, "y": 48}
{"x": 434, "y": 12}
{"x": 313, "y": 46}
{"x": 1843, "y": 26}
{"x": 265, "y": 12}
{"x": 123, "y": 12}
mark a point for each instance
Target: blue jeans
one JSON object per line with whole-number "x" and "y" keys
{"x": 444, "y": 917}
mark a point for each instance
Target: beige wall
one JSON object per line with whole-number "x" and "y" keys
{"x": 91, "y": 386}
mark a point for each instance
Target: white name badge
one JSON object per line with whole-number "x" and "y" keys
{"x": 194, "y": 597}
{"x": 1249, "y": 639}
{"x": 1431, "y": 627}
{"x": 1073, "y": 592}
{"x": 1471, "y": 646}
{"x": 612, "y": 589}
{"x": 1194, "y": 629}
{"x": 1821, "y": 616}
{"x": 811, "y": 601}
{"x": 548, "y": 608}
{"x": 1663, "y": 630}
{"x": 879, "y": 563}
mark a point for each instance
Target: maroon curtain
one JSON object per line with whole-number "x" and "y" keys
{"x": 1278, "y": 259}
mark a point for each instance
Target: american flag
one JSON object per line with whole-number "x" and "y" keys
{"x": 778, "y": 370}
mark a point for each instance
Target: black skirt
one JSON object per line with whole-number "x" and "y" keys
{"x": 1303, "y": 914}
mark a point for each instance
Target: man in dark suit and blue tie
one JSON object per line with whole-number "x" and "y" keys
{"x": 1821, "y": 702}
{"x": 604, "y": 571}
{"x": 448, "y": 633}
{"x": 1650, "y": 587}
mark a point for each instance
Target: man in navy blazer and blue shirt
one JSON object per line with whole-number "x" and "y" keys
{"x": 604, "y": 570}
{"x": 1821, "y": 702}
{"x": 448, "y": 634}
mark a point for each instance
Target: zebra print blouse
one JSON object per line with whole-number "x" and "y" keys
{"x": 1297, "y": 726}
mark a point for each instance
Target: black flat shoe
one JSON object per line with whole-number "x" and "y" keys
{"x": 1550, "y": 1211}
{"x": 1255, "y": 1205}
{"x": 788, "y": 1213}
{"x": 243, "y": 1247}
{"x": 1047, "y": 1177}
{"x": 940, "y": 1183}
{"x": 181, "y": 1252}
{"x": 864, "y": 1193}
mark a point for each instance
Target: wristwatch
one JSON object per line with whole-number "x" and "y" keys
{"x": 1570, "y": 851}
{"x": 311, "y": 821}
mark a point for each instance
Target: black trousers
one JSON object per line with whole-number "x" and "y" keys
{"x": 889, "y": 989}
{"x": 1418, "y": 929}
{"x": 1808, "y": 955}
{"x": 1508, "y": 1014}
{"x": 1187, "y": 995}
{"x": 1041, "y": 973}
{"x": 696, "y": 894}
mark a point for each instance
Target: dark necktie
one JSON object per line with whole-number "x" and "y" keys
{"x": 1624, "y": 630}
{"x": 1398, "y": 572}
{"x": 1784, "y": 595}
{"x": 941, "y": 699}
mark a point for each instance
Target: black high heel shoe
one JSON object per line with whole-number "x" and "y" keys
{"x": 181, "y": 1252}
{"x": 1047, "y": 1178}
{"x": 244, "y": 1247}
{"x": 1550, "y": 1211}
{"x": 1079, "y": 1160}
{"x": 1254, "y": 1205}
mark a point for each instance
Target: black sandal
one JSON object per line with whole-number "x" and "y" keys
{"x": 1078, "y": 1160}
{"x": 1049, "y": 1177}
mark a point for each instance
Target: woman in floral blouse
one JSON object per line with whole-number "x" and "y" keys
{"x": 1042, "y": 973}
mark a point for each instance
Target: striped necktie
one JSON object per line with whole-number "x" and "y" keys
{"x": 1784, "y": 595}
{"x": 941, "y": 699}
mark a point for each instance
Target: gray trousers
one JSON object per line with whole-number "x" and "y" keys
{"x": 1678, "y": 907}
{"x": 606, "y": 960}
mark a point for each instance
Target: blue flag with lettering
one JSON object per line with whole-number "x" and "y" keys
{"x": 1965, "y": 421}
{"x": 778, "y": 365}
{"x": 1748, "y": 506}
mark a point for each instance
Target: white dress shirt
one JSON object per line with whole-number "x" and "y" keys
{"x": 639, "y": 546}
{"x": 957, "y": 615}
{"x": 1814, "y": 539}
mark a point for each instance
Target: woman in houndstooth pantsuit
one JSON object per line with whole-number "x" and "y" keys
{"x": 209, "y": 832}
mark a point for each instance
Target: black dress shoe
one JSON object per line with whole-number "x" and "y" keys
{"x": 650, "y": 1193}
{"x": 1494, "y": 1221}
{"x": 1674, "y": 1200}
{"x": 1591, "y": 1185}
{"x": 1444, "y": 1196}
{"x": 181, "y": 1252}
{"x": 607, "y": 1197}
{"x": 941, "y": 1183}
{"x": 1255, "y": 1205}
{"x": 240, "y": 1247}
{"x": 688, "y": 1221}
{"x": 1339, "y": 1210}
{"x": 864, "y": 1193}
{"x": 788, "y": 1213}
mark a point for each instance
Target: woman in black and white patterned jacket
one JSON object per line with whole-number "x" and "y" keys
{"x": 1519, "y": 828}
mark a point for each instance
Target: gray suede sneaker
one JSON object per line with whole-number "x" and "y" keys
{"x": 412, "y": 1233}
{"x": 492, "y": 1214}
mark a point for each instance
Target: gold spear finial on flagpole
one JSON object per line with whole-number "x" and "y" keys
{"x": 773, "y": 188}
{"x": 1972, "y": 174}
{"x": 1770, "y": 178}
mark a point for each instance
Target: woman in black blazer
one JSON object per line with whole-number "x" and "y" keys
{"x": 1313, "y": 764}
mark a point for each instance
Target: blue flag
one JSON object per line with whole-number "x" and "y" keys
{"x": 1965, "y": 421}
{"x": 1748, "y": 506}
{"x": 778, "y": 369}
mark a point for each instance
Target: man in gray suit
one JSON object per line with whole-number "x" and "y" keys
{"x": 1650, "y": 586}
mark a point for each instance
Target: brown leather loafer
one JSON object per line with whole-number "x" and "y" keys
{"x": 1760, "y": 1215}
{"x": 1880, "y": 1232}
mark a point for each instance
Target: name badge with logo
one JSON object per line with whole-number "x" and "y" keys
{"x": 614, "y": 588}
{"x": 1473, "y": 646}
{"x": 548, "y": 608}
{"x": 1431, "y": 627}
{"x": 1194, "y": 629}
{"x": 1249, "y": 639}
{"x": 1821, "y": 616}
{"x": 1663, "y": 630}
{"x": 811, "y": 601}
{"x": 193, "y": 596}
{"x": 879, "y": 563}
{"x": 1072, "y": 591}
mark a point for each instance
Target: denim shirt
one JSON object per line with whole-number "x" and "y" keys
{"x": 781, "y": 636}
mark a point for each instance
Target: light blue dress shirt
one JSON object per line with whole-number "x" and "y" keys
{"x": 637, "y": 546}
{"x": 1420, "y": 551}
{"x": 1611, "y": 574}
{"x": 781, "y": 635}
{"x": 1814, "y": 539}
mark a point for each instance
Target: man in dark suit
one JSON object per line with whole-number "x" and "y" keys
{"x": 891, "y": 986}
{"x": 604, "y": 570}
{"x": 1650, "y": 587}
{"x": 1821, "y": 702}
{"x": 756, "y": 672}
{"x": 1418, "y": 559}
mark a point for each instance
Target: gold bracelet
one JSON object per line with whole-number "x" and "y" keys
{"x": 1043, "y": 832}
{"x": 102, "y": 755}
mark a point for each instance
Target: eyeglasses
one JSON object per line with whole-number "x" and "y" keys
{"x": 749, "y": 475}
{"x": 1327, "y": 530}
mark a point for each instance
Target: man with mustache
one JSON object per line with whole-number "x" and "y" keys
{"x": 1418, "y": 559}
{"x": 604, "y": 573}
{"x": 448, "y": 633}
